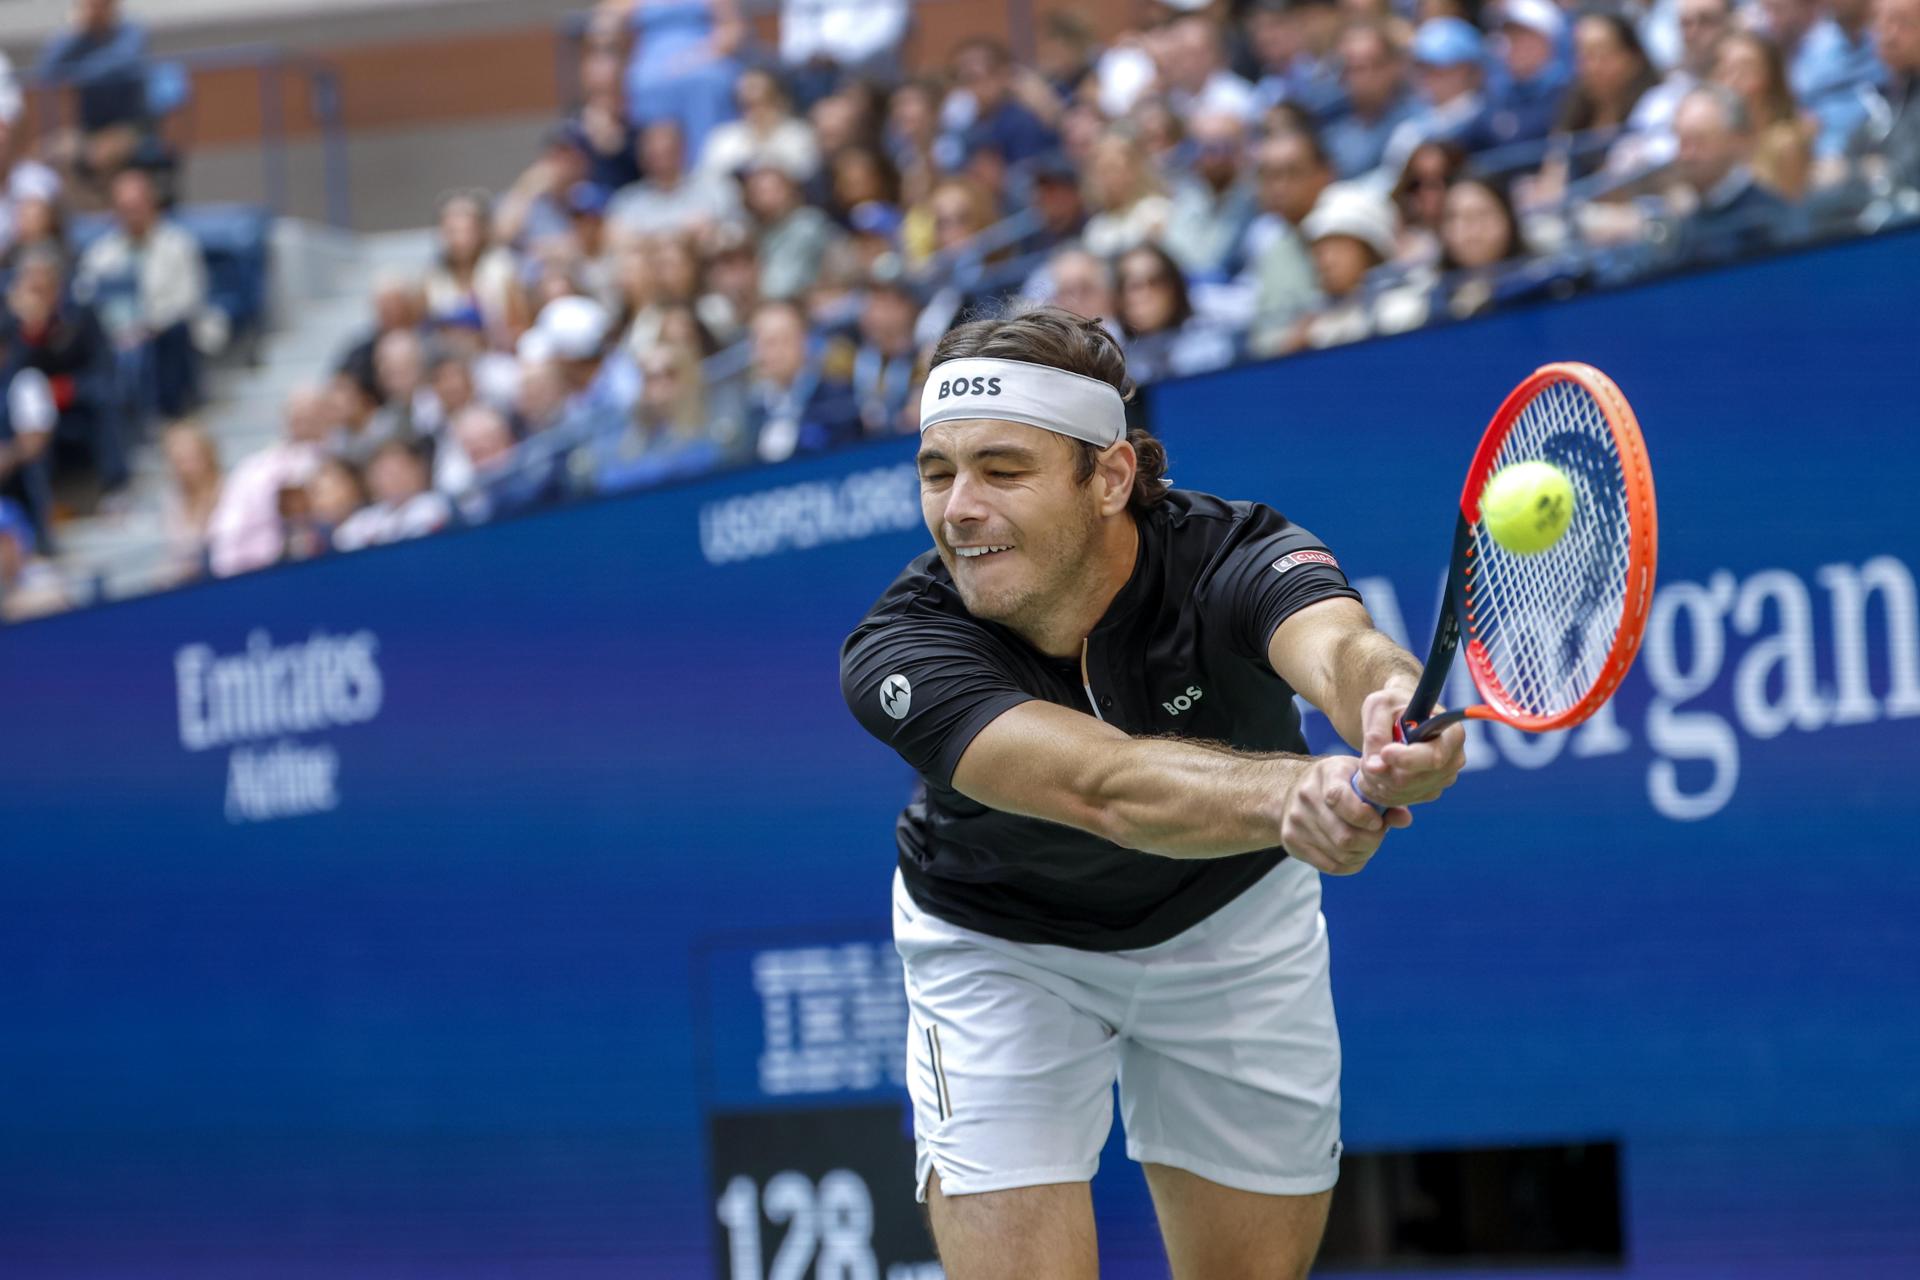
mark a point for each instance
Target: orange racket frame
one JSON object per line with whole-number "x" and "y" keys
{"x": 1458, "y": 609}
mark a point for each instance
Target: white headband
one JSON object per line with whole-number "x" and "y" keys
{"x": 1020, "y": 391}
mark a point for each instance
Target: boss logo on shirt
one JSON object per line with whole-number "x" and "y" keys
{"x": 1184, "y": 701}
{"x": 969, "y": 386}
{"x": 896, "y": 695}
{"x": 1293, "y": 560}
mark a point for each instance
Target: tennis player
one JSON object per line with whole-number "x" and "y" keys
{"x": 1110, "y": 868}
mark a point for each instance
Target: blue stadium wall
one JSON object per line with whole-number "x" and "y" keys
{"x": 514, "y": 902}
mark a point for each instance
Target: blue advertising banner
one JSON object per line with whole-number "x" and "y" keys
{"x": 514, "y": 902}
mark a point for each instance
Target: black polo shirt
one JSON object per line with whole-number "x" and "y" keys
{"x": 1181, "y": 652}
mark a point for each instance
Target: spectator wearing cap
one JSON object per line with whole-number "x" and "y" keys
{"x": 22, "y": 181}
{"x": 767, "y": 132}
{"x": 1163, "y": 336}
{"x": 1703, "y": 25}
{"x": 34, "y": 214}
{"x": 1831, "y": 61}
{"x": 823, "y": 42}
{"x": 1058, "y": 203}
{"x": 1526, "y": 106}
{"x": 1892, "y": 136}
{"x": 1733, "y": 215}
{"x": 246, "y": 529}
{"x": 1293, "y": 175}
{"x": 27, "y": 419}
{"x": 792, "y": 235}
{"x": 1447, "y": 55}
{"x": 670, "y": 198}
{"x": 1125, "y": 195}
{"x": 874, "y": 237}
{"x": 1373, "y": 75}
{"x": 469, "y": 268}
{"x": 792, "y": 406}
{"x": 984, "y": 109}
{"x": 578, "y": 335}
{"x": 1194, "y": 74}
{"x": 1350, "y": 232}
{"x": 62, "y": 338}
{"x": 148, "y": 281}
{"x": 587, "y": 217}
{"x": 1749, "y": 66}
{"x": 1213, "y": 207}
{"x": 682, "y": 65}
{"x": 30, "y": 587}
{"x": 404, "y": 503}
{"x": 102, "y": 57}
{"x": 885, "y": 363}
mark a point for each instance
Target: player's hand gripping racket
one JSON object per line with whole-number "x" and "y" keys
{"x": 1549, "y": 635}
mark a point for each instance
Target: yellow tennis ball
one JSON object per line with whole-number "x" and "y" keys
{"x": 1527, "y": 506}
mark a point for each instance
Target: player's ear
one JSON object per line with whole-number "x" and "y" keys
{"x": 1114, "y": 469}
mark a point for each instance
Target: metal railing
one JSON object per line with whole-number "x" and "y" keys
{"x": 273, "y": 66}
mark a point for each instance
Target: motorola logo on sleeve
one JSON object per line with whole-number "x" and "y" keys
{"x": 896, "y": 696}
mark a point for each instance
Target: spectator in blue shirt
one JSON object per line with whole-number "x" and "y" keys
{"x": 1832, "y": 64}
{"x": 1447, "y": 55}
{"x": 1735, "y": 216}
{"x": 983, "y": 69}
{"x": 104, "y": 59}
{"x": 793, "y": 405}
{"x": 1279, "y": 33}
{"x": 884, "y": 364}
{"x": 1529, "y": 102}
{"x": 1373, "y": 74}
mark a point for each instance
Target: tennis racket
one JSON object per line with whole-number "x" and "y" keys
{"x": 1549, "y": 636}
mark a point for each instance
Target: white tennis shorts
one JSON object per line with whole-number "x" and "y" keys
{"x": 1222, "y": 1041}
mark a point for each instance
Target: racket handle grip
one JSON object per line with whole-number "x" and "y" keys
{"x": 1353, "y": 779}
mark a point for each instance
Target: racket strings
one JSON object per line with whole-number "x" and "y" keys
{"x": 1547, "y": 621}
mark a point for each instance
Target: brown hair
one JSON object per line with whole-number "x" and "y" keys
{"x": 1058, "y": 338}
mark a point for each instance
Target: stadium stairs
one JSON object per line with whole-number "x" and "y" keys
{"x": 319, "y": 287}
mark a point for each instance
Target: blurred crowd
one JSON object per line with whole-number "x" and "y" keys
{"x": 730, "y": 252}
{"x": 101, "y": 332}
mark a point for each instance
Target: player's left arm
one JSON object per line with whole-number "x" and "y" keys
{"x": 1332, "y": 655}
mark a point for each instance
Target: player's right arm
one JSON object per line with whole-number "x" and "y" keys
{"x": 1168, "y": 796}
{"x": 942, "y": 693}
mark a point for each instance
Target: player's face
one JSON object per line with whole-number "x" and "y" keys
{"x": 1011, "y": 488}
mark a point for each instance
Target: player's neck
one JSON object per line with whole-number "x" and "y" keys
{"x": 1065, "y": 628}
